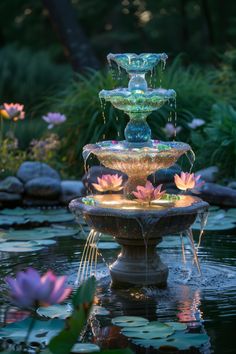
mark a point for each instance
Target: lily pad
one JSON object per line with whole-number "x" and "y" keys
{"x": 177, "y": 326}
{"x": 180, "y": 341}
{"x": 20, "y": 246}
{"x": 42, "y": 331}
{"x": 38, "y": 233}
{"x": 55, "y": 311}
{"x": 152, "y": 330}
{"x": 108, "y": 245}
{"x": 129, "y": 321}
{"x": 19, "y": 211}
{"x": 85, "y": 348}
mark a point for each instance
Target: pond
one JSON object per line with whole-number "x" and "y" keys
{"x": 206, "y": 303}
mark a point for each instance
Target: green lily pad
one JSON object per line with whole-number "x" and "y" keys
{"x": 85, "y": 348}
{"x": 55, "y": 311}
{"x": 42, "y": 331}
{"x": 99, "y": 310}
{"x": 20, "y": 246}
{"x": 171, "y": 242}
{"x": 129, "y": 321}
{"x": 38, "y": 233}
{"x": 19, "y": 211}
{"x": 215, "y": 225}
{"x": 177, "y": 326}
{"x": 180, "y": 341}
{"x": 108, "y": 245}
{"x": 11, "y": 220}
{"x": 152, "y": 330}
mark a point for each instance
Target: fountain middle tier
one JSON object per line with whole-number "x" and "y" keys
{"x": 137, "y": 163}
{"x": 138, "y": 229}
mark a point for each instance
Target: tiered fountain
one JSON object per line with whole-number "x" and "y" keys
{"x": 138, "y": 227}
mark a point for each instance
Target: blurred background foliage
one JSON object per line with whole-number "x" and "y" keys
{"x": 44, "y": 66}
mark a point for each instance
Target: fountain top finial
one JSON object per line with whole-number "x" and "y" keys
{"x": 137, "y": 63}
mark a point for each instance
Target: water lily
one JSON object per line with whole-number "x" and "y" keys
{"x": 170, "y": 130}
{"x": 30, "y": 290}
{"x": 148, "y": 192}
{"x": 188, "y": 181}
{"x": 13, "y": 111}
{"x": 54, "y": 118}
{"x": 196, "y": 122}
{"x": 112, "y": 183}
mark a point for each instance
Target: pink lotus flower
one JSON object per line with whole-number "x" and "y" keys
{"x": 112, "y": 183}
{"x": 13, "y": 111}
{"x": 29, "y": 290}
{"x": 170, "y": 130}
{"x": 148, "y": 192}
{"x": 196, "y": 122}
{"x": 188, "y": 181}
{"x": 54, "y": 119}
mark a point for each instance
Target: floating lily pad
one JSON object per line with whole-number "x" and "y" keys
{"x": 20, "y": 246}
{"x": 152, "y": 330}
{"x": 38, "y": 233}
{"x": 177, "y": 326}
{"x": 179, "y": 340}
{"x": 42, "y": 331}
{"x": 55, "y": 311}
{"x": 22, "y": 216}
{"x": 99, "y": 310}
{"x": 85, "y": 348}
{"x": 108, "y": 245}
{"x": 129, "y": 321}
{"x": 171, "y": 242}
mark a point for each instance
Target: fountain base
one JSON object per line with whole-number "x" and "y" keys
{"x": 138, "y": 229}
{"x": 138, "y": 266}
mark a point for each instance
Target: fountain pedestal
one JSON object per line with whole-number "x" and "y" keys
{"x": 139, "y": 265}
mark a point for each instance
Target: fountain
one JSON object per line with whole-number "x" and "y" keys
{"x": 138, "y": 227}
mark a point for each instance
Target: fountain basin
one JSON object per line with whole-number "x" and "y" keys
{"x": 136, "y": 163}
{"x": 138, "y": 229}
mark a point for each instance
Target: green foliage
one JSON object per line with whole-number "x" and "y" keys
{"x": 28, "y": 77}
{"x": 217, "y": 144}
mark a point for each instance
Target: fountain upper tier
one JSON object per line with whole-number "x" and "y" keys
{"x": 137, "y": 163}
{"x": 137, "y": 63}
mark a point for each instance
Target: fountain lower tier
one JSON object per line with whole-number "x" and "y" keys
{"x": 138, "y": 229}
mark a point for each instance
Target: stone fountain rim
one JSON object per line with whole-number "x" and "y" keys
{"x": 77, "y": 203}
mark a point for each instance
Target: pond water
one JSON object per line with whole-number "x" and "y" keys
{"x": 207, "y": 303}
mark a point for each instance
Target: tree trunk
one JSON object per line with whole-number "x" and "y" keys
{"x": 207, "y": 14}
{"x": 77, "y": 46}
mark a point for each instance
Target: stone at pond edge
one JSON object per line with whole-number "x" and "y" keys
{"x": 97, "y": 171}
{"x": 43, "y": 187}
{"x": 216, "y": 194}
{"x": 11, "y": 184}
{"x": 71, "y": 189}
{"x": 232, "y": 185}
{"x": 208, "y": 174}
{"x": 9, "y": 197}
{"x": 30, "y": 170}
{"x": 165, "y": 175}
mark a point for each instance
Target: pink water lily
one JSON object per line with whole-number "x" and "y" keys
{"x": 170, "y": 130}
{"x": 148, "y": 192}
{"x": 13, "y": 111}
{"x": 54, "y": 118}
{"x": 112, "y": 183}
{"x": 188, "y": 181}
{"x": 30, "y": 290}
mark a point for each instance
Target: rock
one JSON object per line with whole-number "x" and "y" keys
{"x": 232, "y": 185}
{"x": 30, "y": 170}
{"x": 11, "y": 184}
{"x": 9, "y": 197}
{"x": 208, "y": 174}
{"x": 97, "y": 171}
{"x": 219, "y": 195}
{"x": 43, "y": 187}
{"x": 164, "y": 175}
{"x": 70, "y": 190}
